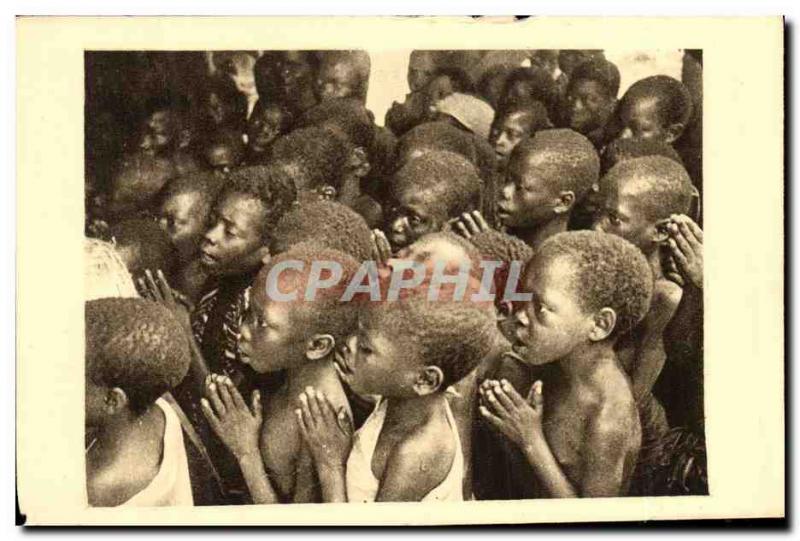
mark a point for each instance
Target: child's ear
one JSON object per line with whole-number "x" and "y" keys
{"x": 565, "y": 201}
{"x": 319, "y": 346}
{"x": 429, "y": 380}
{"x": 660, "y": 231}
{"x": 115, "y": 401}
{"x": 674, "y": 131}
{"x": 359, "y": 162}
{"x": 604, "y": 322}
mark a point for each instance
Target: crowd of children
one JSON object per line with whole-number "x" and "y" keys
{"x": 208, "y": 382}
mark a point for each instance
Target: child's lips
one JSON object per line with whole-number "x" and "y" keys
{"x": 207, "y": 259}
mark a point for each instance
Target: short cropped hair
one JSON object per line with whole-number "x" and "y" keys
{"x": 494, "y": 245}
{"x": 328, "y": 224}
{"x": 136, "y": 345}
{"x": 358, "y": 59}
{"x": 348, "y": 115}
{"x": 137, "y": 180}
{"x": 321, "y": 154}
{"x": 454, "y": 335}
{"x": 625, "y": 149}
{"x": 663, "y": 184}
{"x": 326, "y": 313}
{"x": 608, "y": 272}
{"x": 451, "y": 181}
{"x": 599, "y": 70}
{"x": 266, "y": 183}
{"x": 143, "y": 245}
{"x": 570, "y": 157}
{"x": 205, "y": 183}
{"x": 438, "y": 135}
{"x": 673, "y": 98}
{"x": 459, "y": 78}
{"x": 542, "y": 85}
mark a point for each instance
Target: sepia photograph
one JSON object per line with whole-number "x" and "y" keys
{"x": 380, "y": 273}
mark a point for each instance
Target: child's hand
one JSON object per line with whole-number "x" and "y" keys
{"x": 237, "y": 425}
{"x": 470, "y": 224}
{"x": 686, "y": 245}
{"x": 328, "y": 435}
{"x": 158, "y": 289}
{"x": 381, "y": 249}
{"x": 517, "y": 419}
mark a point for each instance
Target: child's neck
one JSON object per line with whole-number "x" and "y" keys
{"x": 584, "y": 363}
{"x": 121, "y": 437}
{"x": 407, "y": 413}
{"x": 534, "y": 236}
{"x": 307, "y": 372}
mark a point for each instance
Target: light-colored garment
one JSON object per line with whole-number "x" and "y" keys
{"x": 104, "y": 272}
{"x": 362, "y": 486}
{"x": 171, "y": 485}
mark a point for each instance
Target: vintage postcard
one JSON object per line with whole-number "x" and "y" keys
{"x": 295, "y": 267}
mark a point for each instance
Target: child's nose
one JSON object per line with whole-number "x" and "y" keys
{"x": 399, "y": 224}
{"x": 213, "y": 235}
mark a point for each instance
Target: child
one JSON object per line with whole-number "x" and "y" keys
{"x": 427, "y": 192}
{"x": 639, "y": 197}
{"x": 134, "y": 185}
{"x": 105, "y": 274}
{"x": 588, "y": 289}
{"x": 657, "y": 107}
{"x": 615, "y": 152}
{"x": 569, "y": 59}
{"x": 491, "y": 84}
{"x": 545, "y": 176}
{"x": 516, "y": 122}
{"x": 343, "y": 74}
{"x": 591, "y": 99}
{"x": 135, "y": 352}
{"x": 267, "y": 122}
{"x": 327, "y": 224}
{"x": 316, "y": 160}
{"x": 224, "y": 151}
{"x": 143, "y": 245}
{"x": 183, "y": 214}
{"x": 232, "y": 250}
{"x": 287, "y": 78}
{"x": 401, "y": 117}
{"x": 409, "y": 449}
{"x": 350, "y": 118}
{"x": 299, "y": 337}
{"x": 526, "y": 84}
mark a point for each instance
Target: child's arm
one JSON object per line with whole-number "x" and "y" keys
{"x": 239, "y": 428}
{"x": 650, "y": 353}
{"x": 411, "y": 472}
{"x": 521, "y": 422}
{"x": 329, "y": 437}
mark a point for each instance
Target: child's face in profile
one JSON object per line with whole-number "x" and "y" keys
{"x": 269, "y": 341}
{"x": 337, "y": 80}
{"x": 508, "y": 131}
{"x": 621, "y": 212}
{"x": 181, "y": 217}
{"x": 157, "y": 133}
{"x": 372, "y": 361}
{"x": 527, "y": 198}
{"x": 587, "y": 106}
{"x": 421, "y": 68}
{"x": 234, "y": 241}
{"x": 411, "y": 217}
{"x": 553, "y": 324}
{"x": 263, "y": 127}
{"x": 641, "y": 119}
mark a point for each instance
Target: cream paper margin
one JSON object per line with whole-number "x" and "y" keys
{"x": 743, "y": 88}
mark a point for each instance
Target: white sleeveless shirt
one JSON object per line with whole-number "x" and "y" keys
{"x": 362, "y": 486}
{"x": 171, "y": 485}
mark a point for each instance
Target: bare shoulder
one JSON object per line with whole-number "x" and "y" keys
{"x": 111, "y": 488}
{"x": 615, "y": 414}
{"x": 426, "y": 453}
{"x": 666, "y": 297}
